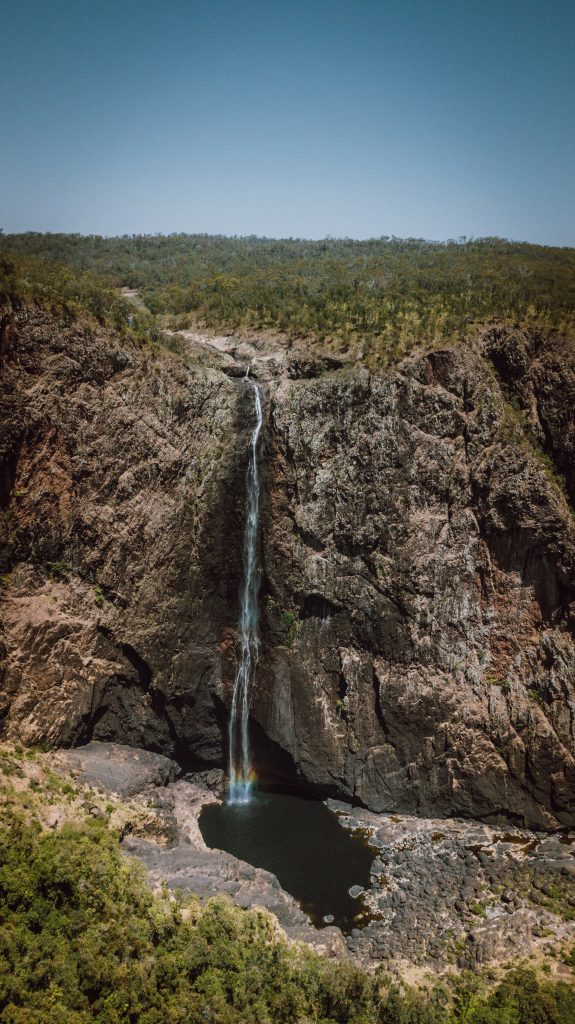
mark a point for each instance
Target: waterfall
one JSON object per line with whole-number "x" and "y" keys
{"x": 239, "y": 768}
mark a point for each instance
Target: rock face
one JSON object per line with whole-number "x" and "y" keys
{"x": 417, "y": 533}
{"x": 418, "y": 555}
{"x": 122, "y": 480}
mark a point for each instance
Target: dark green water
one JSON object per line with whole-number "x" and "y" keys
{"x": 301, "y": 842}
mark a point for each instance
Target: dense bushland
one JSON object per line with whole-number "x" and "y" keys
{"x": 378, "y": 297}
{"x": 72, "y": 294}
{"x": 83, "y": 938}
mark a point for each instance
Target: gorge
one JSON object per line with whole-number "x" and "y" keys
{"x": 398, "y": 550}
{"x": 287, "y": 513}
{"x": 417, "y": 563}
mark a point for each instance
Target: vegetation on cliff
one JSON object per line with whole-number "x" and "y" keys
{"x": 377, "y": 297}
{"x": 83, "y": 938}
{"x": 64, "y": 291}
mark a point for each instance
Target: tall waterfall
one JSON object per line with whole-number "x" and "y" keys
{"x": 240, "y": 769}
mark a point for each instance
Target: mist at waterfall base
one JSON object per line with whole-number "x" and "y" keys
{"x": 301, "y": 841}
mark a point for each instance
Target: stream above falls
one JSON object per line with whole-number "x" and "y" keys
{"x": 301, "y": 842}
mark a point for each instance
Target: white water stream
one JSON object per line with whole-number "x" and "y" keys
{"x": 240, "y": 772}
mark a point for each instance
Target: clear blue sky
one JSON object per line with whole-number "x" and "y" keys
{"x": 430, "y": 118}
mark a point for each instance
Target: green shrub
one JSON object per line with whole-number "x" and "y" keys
{"x": 84, "y": 939}
{"x": 289, "y": 628}
{"x": 378, "y": 297}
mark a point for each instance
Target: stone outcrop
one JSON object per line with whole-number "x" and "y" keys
{"x": 417, "y": 550}
{"x": 116, "y": 768}
{"x": 452, "y": 891}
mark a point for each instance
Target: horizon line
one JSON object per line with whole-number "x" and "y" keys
{"x": 460, "y": 240}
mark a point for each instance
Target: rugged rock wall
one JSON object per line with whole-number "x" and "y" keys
{"x": 418, "y": 556}
{"x": 428, "y": 554}
{"x": 122, "y": 505}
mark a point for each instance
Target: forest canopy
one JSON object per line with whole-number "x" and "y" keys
{"x": 377, "y": 298}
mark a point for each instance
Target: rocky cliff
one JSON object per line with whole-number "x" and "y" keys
{"x": 418, "y": 562}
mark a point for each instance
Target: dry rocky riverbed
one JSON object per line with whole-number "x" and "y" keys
{"x": 443, "y": 892}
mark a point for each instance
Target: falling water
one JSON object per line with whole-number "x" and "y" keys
{"x": 240, "y": 769}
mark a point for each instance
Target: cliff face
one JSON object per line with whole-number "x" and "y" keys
{"x": 418, "y": 556}
{"x": 428, "y": 553}
{"x": 123, "y": 479}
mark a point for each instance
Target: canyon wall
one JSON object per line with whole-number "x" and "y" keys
{"x": 418, "y": 554}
